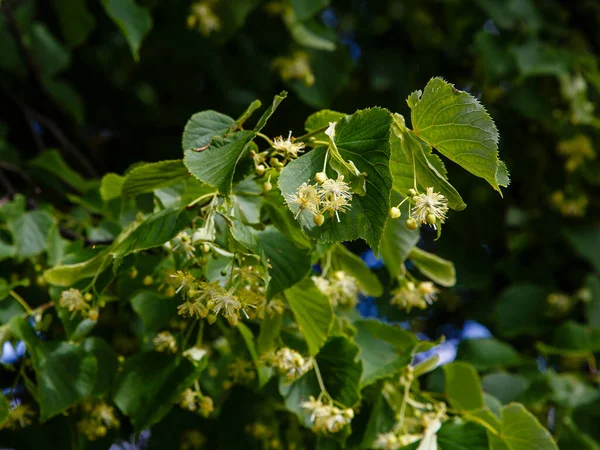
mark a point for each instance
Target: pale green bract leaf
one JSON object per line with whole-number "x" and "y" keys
{"x": 133, "y": 20}
{"x": 437, "y": 269}
{"x": 413, "y": 163}
{"x": 362, "y": 138}
{"x": 148, "y": 177}
{"x": 111, "y": 186}
{"x": 304, "y": 36}
{"x": 458, "y": 126}
{"x": 313, "y": 312}
{"x": 69, "y": 274}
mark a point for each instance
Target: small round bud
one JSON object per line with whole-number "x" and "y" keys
{"x": 223, "y": 272}
{"x": 93, "y": 314}
{"x": 321, "y": 177}
{"x": 210, "y": 304}
{"x": 205, "y": 248}
{"x": 319, "y": 219}
{"x": 211, "y": 319}
{"x": 411, "y": 224}
{"x": 275, "y": 162}
{"x": 38, "y": 267}
{"x": 148, "y": 280}
{"x": 233, "y": 320}
{"x": 260, "y": 169}
{"x": 87, "y": 296}
{"x": 431, "y": 219}
{"x": 267, "y": 186}
{"x": 394, "y": 212}
{"x": 169, "y": 291}
{"x": 40, "y": 281}
{"x": 412, "y": 192}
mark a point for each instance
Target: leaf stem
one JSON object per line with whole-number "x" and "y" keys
{"x": 21, "y": 301}
{"x": 266, "y": 138}
{"x": 202, "y": 197}
{"x": 311, "y": 134}
{"x": 320, "y": 380}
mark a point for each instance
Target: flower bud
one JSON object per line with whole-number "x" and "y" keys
{"x": 319, "y": 219}
{"x": 321, "y": 177}
{"x": 431, "y": 219}
{"x": 412, "y": 192}
{"x": 394, "y": 212}
{"x": 233, "y": 320}
{"x": 411, "y": 224}
{"x": 93, "y": 314}
{"x": 205, "y": 247}
{"x": 260, "y": 169}
{"x": 211, "y": 319}
{"x": 267, "y": 186}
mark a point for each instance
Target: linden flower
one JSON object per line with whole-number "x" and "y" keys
{"x": 192, "y": 309}
{"x": 407, "y": 297}
{"x": 206, "y": 405}
{"x": 203, "y": 17}
{"x": 106, "y": 414}
{"x": 387, "y": 441}
{"x": 343, "y": 289}
{"x": 226, "y": 303}
{"x": 165, "y": 342}
{"x": 429, "y": 204}
{"x": 335, "y": 196}
{"x": 291, "y": 363}
{"x": 327, "y": 418}
{"x": 295, "y": 68}
{"x": 306, "y": 198}
{"x": 19, "y": 415}
{"x": 184, "y": 280}
{"x": 287, "y": 147}
{"x": 188, "y": 400}
{"x": 428, "y": 290}
{"x": 74, "y": 301}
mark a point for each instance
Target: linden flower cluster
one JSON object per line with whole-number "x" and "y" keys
{"x": 290, "y": 363}
{"x": 341, "y": 288}
{"x": 208, "y": 300}
{"x": 576, "y": 151}
{"x": 429, "y": 208}
{"x": 19, "y": 415}
{"x": 203, "y": 18}
{"x": 282, "y": 151}
{"x": 569, "y": 206}
{"x": 193, "y": 401}
{"x": 326, "y": 418}
{"x": 296, "y": 67}
{"x": 99, "y": 419}
{"x": 165, "y": 342}
{"x": 423, "y": 427}
{"x": 77, "y": 303}
{"x": 326, "y": 196}
{"x": 408, "y": 296}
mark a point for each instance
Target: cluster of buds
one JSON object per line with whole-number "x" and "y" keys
{"x": 241, "y": 371}
{"x": 99, "y": 418}
{"x": 576, "y": 151}
{"x": 19, "y": 416}
{"x": 327, "y": 418}
{"x": 203, "y": 18}
{"x": 569, "y": 206}
{"x": 290, "y": 363}
{"x": 296, "y": 67}
{"x": 428, "y": 208}
{"x": 194, "y": 401}
{"x": 77, "y": 303}
{"x": 408, "y": 295}
{"x": 422, "y": 426}
{"x": 328, "y": 196}
{"x": 341, "y": 288}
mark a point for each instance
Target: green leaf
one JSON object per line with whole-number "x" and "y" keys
{"x": 521, "y": 310}
{"x": 535, "y": 58}
{"x": 283, "y": 220}
{"x": 65, "y": 373}
{"x": 248, "y": 338}
{"x": 398, "y": 241}
{"x": 111, "y": 186}
{"x": 321, "y": 119}
{"x": 107, "y": 364}
{"x": 412, "y": 159}
{"x": 520, "y": 430}
{"x": 30, "y": 233}
{"x": 570, "y": 390}
{"x": 344, "y": 259}
{"x": 313, "y": 312}
{"x": 458, "y": 435}
{"x": 154, "y": 310}
{"x": 592, "y": 307}
{"x": 203, "y": 127}
{"x": 155, "y": 230}
{"x": 362, "y": 138}
{"x": 49, "y": 54}
{"x": 69, "y": 274}
{"x": 381, "y": 420}
{"x": 506, "y": 387}
{"x": 487, "y": 353}
{"x": 341, "y": 370}
{"x": 133, "y": 20}
{"x": 269, "y": 111}
{"x": 462, "y": 386}
{"x": 573, "y": 339}
{"x": 432, "y": 266}
{"x": 458, "y": 126}
{"x": 4, "y": 407}
{"x": 269, "y": 332}
{"x": 151, "y": 176}
{"x": 149, "y": 384}
{"x": 308, "y": 37}
{"x": 52, "y": 161}
{"x": 384, "y": 349}
{"x": 586, "y": 242}
{"x": 305, "y": 9}
{"x": 76, "y": 20}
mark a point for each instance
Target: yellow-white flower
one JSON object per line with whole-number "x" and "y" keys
{"x": 305, "y": 198}
{"x": 428, "y": 290}
{"x": 407, "y": 296}
{"x": 335, "y": 196}
{"x": 327, "y": 418}
{"x": 387, "y": 441}
{"x": 74, "y": 301}
{"x": 226, "y": 303}
{"x": 165, "y": 342}
{"x": 430, "y": 203}
{"x": 290, "y": 363}
{"x": 287, "y": 147}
